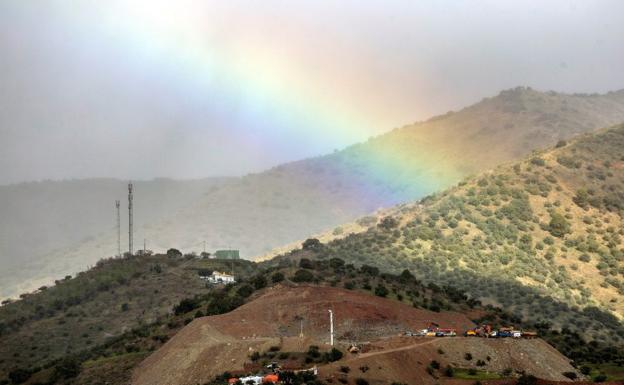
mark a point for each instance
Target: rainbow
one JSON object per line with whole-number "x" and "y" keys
{"x": 274, "y": 98}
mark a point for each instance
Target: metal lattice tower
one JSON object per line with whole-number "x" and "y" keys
{"x": 117, "y": 204}
{"x": 130, "y": 218}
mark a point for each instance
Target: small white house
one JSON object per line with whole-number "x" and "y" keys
{"x": 218, "y": 277}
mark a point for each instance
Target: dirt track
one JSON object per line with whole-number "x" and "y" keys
{"x": 406, "y": 359}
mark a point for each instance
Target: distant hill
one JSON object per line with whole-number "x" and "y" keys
{"x": 259, "y": 212}
{"x": 542, "y": 238}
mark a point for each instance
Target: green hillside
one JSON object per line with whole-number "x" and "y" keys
{"x": 541, "y": 238}
{"x": 94, "y": 328}
{"x": 68, "y": 226}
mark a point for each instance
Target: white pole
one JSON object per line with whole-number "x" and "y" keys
{"x": 331, "y": 328}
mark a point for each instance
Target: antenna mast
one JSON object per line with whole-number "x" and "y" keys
{"x": 117, "y": 204}
{"x": 130, "y": 218}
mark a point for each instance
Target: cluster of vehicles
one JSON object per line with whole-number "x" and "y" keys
{"x": 484, "y": 331}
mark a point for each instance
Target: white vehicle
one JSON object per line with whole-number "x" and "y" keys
{"x": 516, "y": 334}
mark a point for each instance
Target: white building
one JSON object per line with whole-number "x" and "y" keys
{"x": 218, "y": 277}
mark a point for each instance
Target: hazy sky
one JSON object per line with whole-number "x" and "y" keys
{"x": 138, "y": 89}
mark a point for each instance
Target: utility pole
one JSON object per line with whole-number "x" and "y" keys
{"x": 204, "y": 247}
{"x": 130, "y": 218}
{"x": 117, "y": 204}
{"x": 331, "y": 328}
{"x": 144, "y": 248}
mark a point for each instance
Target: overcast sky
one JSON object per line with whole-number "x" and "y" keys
{"x": 185, "y": 89}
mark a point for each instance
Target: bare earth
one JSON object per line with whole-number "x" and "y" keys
{"x": 211, "y": 345}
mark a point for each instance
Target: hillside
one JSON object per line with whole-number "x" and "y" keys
{"x": 129, "y": 315}
{"x": 260, "y": 212}
{"x": 96, "y": 327}
{"x": 541, "y": 238}
{"x": 210, "y": 345}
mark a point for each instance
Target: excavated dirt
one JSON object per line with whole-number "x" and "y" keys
{"x": 389, "y": 360}
{"x": 211, "y": 345}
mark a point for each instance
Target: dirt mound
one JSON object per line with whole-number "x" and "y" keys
{"x": 211, "y": 345}
{"x": 387, "y": 363}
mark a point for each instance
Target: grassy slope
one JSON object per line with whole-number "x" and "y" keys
{"x": 259, "y": 212}
{"x": 492, "y": 236}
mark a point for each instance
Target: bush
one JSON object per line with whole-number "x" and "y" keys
{"x": 361, "y": 381}
{"x": 277, "y": 277}
{"x": 570, "y": 375}
{"x": 174, "y": 253}
{"x": 333, "y": 355}
{"x": 600, "y": 378}
{"x": 245, "y": 291}
{"x": 67, "y": 368}
{"x": 259, "y": 282}
{"x": 312, "y": 244}
{"x": 303, "y": 276}
{"x": 435, "y": 364}
{"x": 449, "y": 372}
{"x": 186, "y": 305}
{"x": 18, "y": 376}
{"x": 381, "y": 291}
{"x": 305, "y": 263}
{"x": 526, "y": 379}
{"x": 558, "y": 225}
{"x": 468, "y": 356}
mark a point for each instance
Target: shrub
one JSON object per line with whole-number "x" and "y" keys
{"x": 67, "y": 368}
{"x": 449, "y": 372}
{"x": 174, "y": 253}
{"x": 345, "y": 369}
{"x": 468, "y": 356}
{"x": 600, "y": 378}
{"x": 570, "y": 375}
{"x": 18, "y": 376}
{"x": 312, "y": 244}
{"x": 186, "y": 305}
{"x": 526, "y": 379}
{"x": 435, "y": 364}
{"x": 305, "y": 263}
{"x": 303, "y": 276}
{"x": 381, "y": 291}
{"x": 333, "y": 355}
{"x": 558, "y": 225}
{"x": 277, "y": 277}
{"x": 259, "y": 282}
{"x": 245, "y": 291}
{"x": 361, "y": 381}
